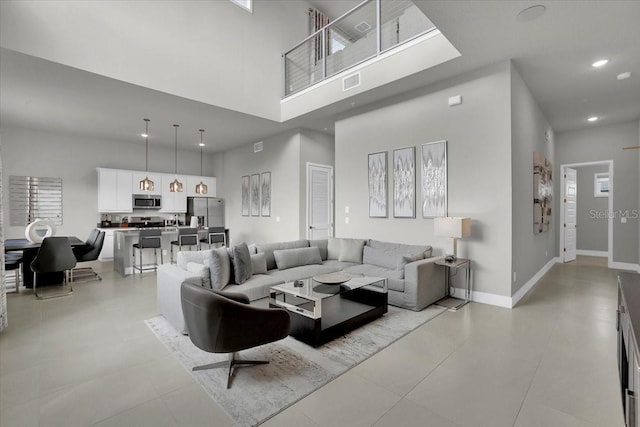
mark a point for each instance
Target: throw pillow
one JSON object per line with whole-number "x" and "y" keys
{"x": 289, "y": 258}
{"x": 333, "y": 248}
{"x": 258, "y": 263}
{"x": 201, "y": 271}
{"x": 219, "y": 268}
{"x": 351, "y": 250}
{"x": 323, "y": 246}
{"x": 406, "y": 259}
{"x": 241, "y": 263}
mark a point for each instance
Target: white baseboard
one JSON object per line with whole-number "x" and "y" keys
{"x": 624, "y": 266}
{"x": 532, "y": 282}
{"x": 509, "y": 302}
{"x": 586, "y": 252}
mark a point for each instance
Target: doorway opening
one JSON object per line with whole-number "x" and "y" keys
{"x": 568, "y": 234}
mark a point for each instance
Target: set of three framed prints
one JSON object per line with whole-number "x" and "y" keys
{"x": 433, "y": 182}
{"x": 256, "y": 194}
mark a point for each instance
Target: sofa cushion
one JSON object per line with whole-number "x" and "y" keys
{"x": 185, "y": 257}
{"x": 268, "y": 249}
{"x": 321, "y": 244}
{"x": 258, "y": 263}
{"x": 200, "y": 270}
{"x": 336, "y": 265}
{"x": 241, "y": 263}
{"x": 394, "y": 282}
{"x": 333, "y": 248}
{"x": 288, "y": 258}
{"x": 351, "y": 250}
{"x": 256, "y": 287}
{"x": 301, "y": 272}
{"x": 379, "y": 257}
{"x": 401, "y": 248}
{"x": 219, "y": 267}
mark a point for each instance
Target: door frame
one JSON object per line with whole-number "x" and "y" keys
{"x": 610, "y": 215}
{"x": 331, "y": 201}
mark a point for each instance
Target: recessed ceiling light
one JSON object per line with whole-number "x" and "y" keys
{"x": 593, "y": 118}
{"x": 531, "y": 13}
{"x": 144, "y": 135}
{"x": 201, "y": 144}
{"x": 623, "y": 76}
{"x": 600, "y": 63}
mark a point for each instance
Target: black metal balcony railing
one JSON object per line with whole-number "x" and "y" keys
{"x": 371, "y": 28}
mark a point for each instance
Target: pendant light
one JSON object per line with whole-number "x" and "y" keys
{"x": 146, "y": 184}
{"x": 201, "y": 188}
{"x": 175, "y": 186}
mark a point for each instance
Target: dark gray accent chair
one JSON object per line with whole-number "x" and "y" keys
{"x": 89, "y": 252}
{"x": 55, "y": 255}
{"x": 224, "y": 322}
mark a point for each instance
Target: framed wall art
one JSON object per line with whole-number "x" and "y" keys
{"x": 265, "y": 191}
{"x": 255, "y": 195}
{"x": 434, "y": 179}
{"x": 404, "y": 182}
{"x": 378, "y": 185}
{"x": 246, "y": 203}
{"x": 542, "y": 193}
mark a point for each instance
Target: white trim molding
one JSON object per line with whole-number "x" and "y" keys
{"x": 531, "y": 283}
{"x": 625, "y": 266}
{"x": 485, "y": 298}
{"x": 586, "y": 252}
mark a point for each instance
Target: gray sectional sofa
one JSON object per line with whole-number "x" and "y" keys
{"x": 414, "y": 281}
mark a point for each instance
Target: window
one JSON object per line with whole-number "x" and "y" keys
{"x": 245, "y": 4}
{"x": 601, "y": 185}
{"x": 32, "y": 197}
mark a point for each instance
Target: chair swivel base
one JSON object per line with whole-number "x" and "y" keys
{"x": 231, "y": 364}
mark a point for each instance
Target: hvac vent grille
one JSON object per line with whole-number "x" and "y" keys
{"x": 257, "y": 147}
{"x": 363, "y": 27}
{"x": 351, "y": 81}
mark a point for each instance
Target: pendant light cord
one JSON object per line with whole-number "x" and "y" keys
{"x": 146, "y": 152}
{"x": 176, "y": 157}
{"x": 201, "y": 145}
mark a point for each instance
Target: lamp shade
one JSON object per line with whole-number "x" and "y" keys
{"x": 455, "y": 227}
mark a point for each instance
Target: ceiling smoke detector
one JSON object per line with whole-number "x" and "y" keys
{"x": 531, "y": 13}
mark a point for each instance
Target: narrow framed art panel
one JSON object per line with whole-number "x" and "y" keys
{"x": 378, "y": 185}
{"x": 255, "y": 195}
{"x": 434, "y": 179}
{"x": 265, "y": 191}
{"x": 246, "y": 203}
{"x": 404, "y": 182}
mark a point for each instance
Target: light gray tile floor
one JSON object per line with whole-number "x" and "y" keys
{"x": 89, "y": 359}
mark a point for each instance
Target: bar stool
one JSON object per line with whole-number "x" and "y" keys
{"x": 215, "y": 235}
{"x": 148, "y": 239}
{"x": 186, "y": 237}
{"x": 13, "y": 264}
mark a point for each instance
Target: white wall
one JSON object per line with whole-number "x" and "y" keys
{"x": 28, "y": 152}
{"x": 479, "y": 163}
{"x": 529, "y": 128}
{"x": 605, "y": 142}
{"x": 284, "y": 156}
{"x": 592, "y": 230}
{"x": 209, "y": 51}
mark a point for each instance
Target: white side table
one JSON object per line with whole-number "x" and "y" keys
{"x": 453, "y": 303}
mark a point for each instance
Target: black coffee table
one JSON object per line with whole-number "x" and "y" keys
{"x": 322, "y": 312}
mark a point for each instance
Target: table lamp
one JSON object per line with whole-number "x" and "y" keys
{"x": 454, "y": 227}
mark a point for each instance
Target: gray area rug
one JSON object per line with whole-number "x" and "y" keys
{"x": 295, "y": 369}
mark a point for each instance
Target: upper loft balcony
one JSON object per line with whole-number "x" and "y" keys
{"x": 375, "y": 43}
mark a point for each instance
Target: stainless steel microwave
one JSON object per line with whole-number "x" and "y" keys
{"x": 147, "y": 201}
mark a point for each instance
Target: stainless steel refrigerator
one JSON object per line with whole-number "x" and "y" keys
{"x": 209, "y": 210}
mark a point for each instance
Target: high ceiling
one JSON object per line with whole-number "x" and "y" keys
{"x": 553, "y": 53}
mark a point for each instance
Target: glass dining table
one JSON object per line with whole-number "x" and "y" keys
{"x": 29, "y": 251}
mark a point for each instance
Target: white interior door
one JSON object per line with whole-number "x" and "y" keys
{"x": 570, "y": 199}
{"x": 319, "y": 201}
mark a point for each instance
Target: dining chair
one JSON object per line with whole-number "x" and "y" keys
{"x": 13, "y": 265}
{"x": 55, "y": 255}
{"x": 89, "y": 252}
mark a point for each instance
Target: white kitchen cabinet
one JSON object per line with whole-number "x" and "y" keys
{"x": 174, "y": 202}
{"x": 114, "y": 190}
{"x": 139, "y": 176}
{"x": 209, "y": 181}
